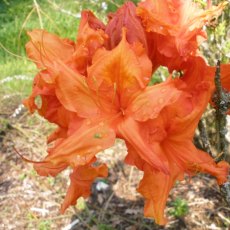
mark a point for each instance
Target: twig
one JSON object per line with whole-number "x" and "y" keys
{"x": 71, "y": 225}
{"x": 223, "y": 218}
{"x": 222, "y": 102}
{"x": 23, "y": 25}
{"x": 225, "y": 191}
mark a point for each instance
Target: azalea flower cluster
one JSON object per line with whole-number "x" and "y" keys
{"x": 96, "y": 89}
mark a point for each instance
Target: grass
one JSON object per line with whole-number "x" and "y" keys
{"x": 44, "y": 15}
{"x": 13, "y": 38}
{"x": 16, "y": 77}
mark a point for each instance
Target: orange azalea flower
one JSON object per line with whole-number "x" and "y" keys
{"x": 170, "y": 136}
{"x": 99, "y": 115}
{"x": 175, "y": 28}
{"x": 125, "y": 71}
{"x": 96, "y": 94}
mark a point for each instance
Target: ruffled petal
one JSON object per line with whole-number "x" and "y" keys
{"x": 49, "y": 107}
{"x": 177, "y": 18}
{"x": 90, "y": 38}
{"x": 81, "y": 181}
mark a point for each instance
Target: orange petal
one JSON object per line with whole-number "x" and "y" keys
{"x": 192, "y": 160}
{"x": 50, "y": 107}
{"x": 44, "y": 48}
{"x": 149, "y": 103}
{"x": 181, "y": 117}
{"x": 155, "y": 187}
{"x": 91, "y": 32}
{"x": 73, "y": 93}
{"x": 130, "y": 131}
{"x": 81, "y": 181}
{"x": 83, "y": 144}
{"x": 120, "y": 73}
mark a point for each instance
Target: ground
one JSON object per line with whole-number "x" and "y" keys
{"x": 28, "y": 201}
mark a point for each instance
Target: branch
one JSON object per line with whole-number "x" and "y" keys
{"x": 221, "y": 99}
{"x": 222, "y": 102}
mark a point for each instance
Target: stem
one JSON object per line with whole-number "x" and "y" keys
{"x": 39, "y": 14}
{"x": 221, "y": 99}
